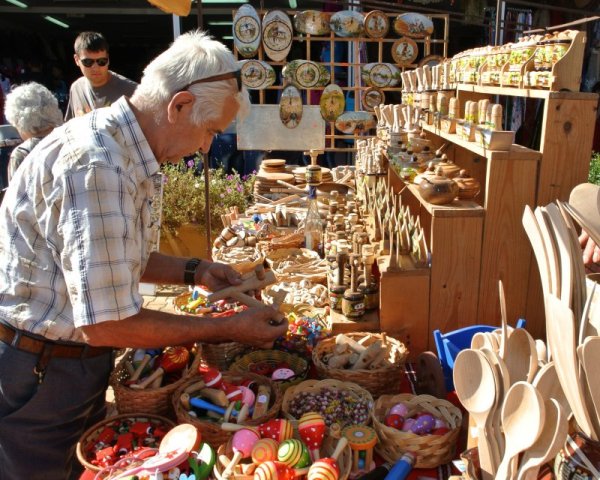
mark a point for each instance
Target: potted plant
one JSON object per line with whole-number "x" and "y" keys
{"x": 183, "y": 221}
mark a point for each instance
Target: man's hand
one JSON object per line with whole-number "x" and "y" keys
{"x": 217, "y": 276}
{"x": 253, "y": 327}
{"x": 591, "y": 253}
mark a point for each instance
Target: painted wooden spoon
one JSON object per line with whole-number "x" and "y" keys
{"x": 522, "y": 419}
{"x": 476, "y": 389}
{"x": 548, "y": 444}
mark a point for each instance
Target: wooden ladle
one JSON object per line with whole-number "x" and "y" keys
{"x": 548, "y": 444}
{"x": 523, "y": 415}
{"x": 476, "y": 389}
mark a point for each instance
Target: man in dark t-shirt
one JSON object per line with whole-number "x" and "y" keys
{"x": 99, "y": 86}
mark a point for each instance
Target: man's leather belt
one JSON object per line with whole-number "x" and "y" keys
{"x": 33, "y": 345}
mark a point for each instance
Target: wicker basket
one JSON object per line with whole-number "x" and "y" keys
{"x": 385, "y": 379}
{"x": 155, "y": 401}
{"x": 295, "y": 264}
{"x": 354, "y": 391}
{"x": 211, "y": 431}
{"x": 329, "y": 443}
{"x": 431, "y": 450}
{"x": 222, "y": 355}
{"x": 274, "y": 358}
{"x": 88, "y": 439}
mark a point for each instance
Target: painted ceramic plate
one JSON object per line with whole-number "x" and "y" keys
{"x": 306, "y": 74}
{"x": 431, "y": 60}
{"x": 332, "y": 102}
{"x": 380, "y": 75}
{"x": 246, "y": 30}
{"x": 257, "y": 74}
{"x": 404, "y": 51}
{"x": 277, "y": 35}
{"x": 371, "y": 98}
{"x": 347, "y": 23}
{"x": 377, "y": 24}
{"x": 413, "y": 25}
{"x": 290, "y": 107}
{"x": 312, "y": 22}
{"x": 355, "y": 122}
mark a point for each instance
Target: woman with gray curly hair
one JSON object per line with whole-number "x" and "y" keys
{"x": 33, "y": 110}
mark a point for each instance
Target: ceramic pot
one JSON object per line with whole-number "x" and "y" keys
{"x": 449, "y": 168}
{"x": 468, "y": 187}
{"x": 567, "y": 464}
{"x": 439, "y": 189}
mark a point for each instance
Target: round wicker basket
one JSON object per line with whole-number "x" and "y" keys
{"x": 354, "y": 393}
{"x": 344, "y": 460}
{"x": 384, "y": 379}
{"x": 88, "y": 439}
{"x": 431, "y": 450}
{"x": 156, "y": 401}
{"x": 295, "y": 264}
{"x": 211, "y": 431}
{"x": 273, "y": 358}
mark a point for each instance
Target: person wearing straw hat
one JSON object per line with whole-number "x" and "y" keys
{"x": 75, "y": 242}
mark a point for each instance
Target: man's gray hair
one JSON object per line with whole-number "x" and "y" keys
{"x": 192, "y": 56}
{"x": 32, "y": 108}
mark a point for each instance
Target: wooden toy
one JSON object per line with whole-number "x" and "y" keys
{"x": 362, "y": 440}
{"x": 242, "y": 443}
{"x": 265, "y": 450}
{"x": 311, "y": 428}
{"x": 328, "y": 468}
{"x": 171, "y": 360}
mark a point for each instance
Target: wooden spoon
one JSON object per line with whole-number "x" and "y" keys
{"x": 585, "y": 316}
{"x": 522, "y": 420}
{"x": 551, "y": 250}
{"x": 546, "y": 382}
{"x": 583, "y": 203}
{"x": 521, "y": 357}
{"x": 548, "y": 444}
{"x": 591, "y": 361}
{"x": 504, "y": 316}
{"x": 481, "y": 340}
{"x": 542, "y": 352}
{"x": 532, "y": 229}
{"x": 476, "y": 389}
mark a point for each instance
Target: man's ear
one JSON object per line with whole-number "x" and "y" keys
{"x": 181, "y": 103}
{"x": 76, "y": 58}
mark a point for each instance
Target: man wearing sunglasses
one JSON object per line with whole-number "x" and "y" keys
{"x": 76, "y": 240}
{"x": 99, "y": 86}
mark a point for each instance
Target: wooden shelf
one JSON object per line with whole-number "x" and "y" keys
{"x": 524, "y": 153}
{"x": 524, "y": 92}
{"x": 458, "y": 208}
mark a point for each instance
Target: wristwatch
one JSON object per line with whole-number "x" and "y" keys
{"x": 189, "y": 273}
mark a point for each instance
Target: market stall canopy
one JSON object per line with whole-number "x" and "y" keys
{"x": 178, "y": 7}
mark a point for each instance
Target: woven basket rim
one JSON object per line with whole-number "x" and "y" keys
{"x": 94, "y": 428}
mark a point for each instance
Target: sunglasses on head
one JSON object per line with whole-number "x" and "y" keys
{"x": 237, "y": 74}
{"x": 88, "y": 62}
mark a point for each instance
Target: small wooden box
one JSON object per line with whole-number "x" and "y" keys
{"x": 495, "y": 139}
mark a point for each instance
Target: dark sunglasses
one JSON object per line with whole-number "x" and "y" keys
{"x": 88, "y": 62}
{"x": 237, "y": 74}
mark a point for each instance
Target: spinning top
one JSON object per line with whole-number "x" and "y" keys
{"x": 265, "y": 450}
{"x": 294, "y": 453}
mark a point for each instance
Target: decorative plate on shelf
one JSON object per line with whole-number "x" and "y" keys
{"x": 290, "y": 107}
{"x": 371, "y": 98}
{"x": 380, "y": 75}
{"x": 431, "y": 60}
{"x": 312, "y": 22}
{"x": 246, "y": 30}
{"x": 404, "y": 51}
{"x": 377, "y": 24}
{"x": 332, "y": 102}
{"x": 355, "y": 122}
{"x": 413, "y": 25}
{"x": 347, "y": 23}
{"x": 277, "y": 35}
{"x": 256, "y": 74}
{"x": 306, "y": 74}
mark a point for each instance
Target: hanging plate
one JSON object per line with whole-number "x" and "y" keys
{"x": 256, "y": 74}
{"x": 371, "y": 98}
{"x": 413, "y": 25}
{"x": 306, "y": 74}
{"x": 377, "y": 24}
{"x": 404, "y": 51}
{"x": 290, "y": 107}
{"x": 277, "y": 35}
{"x": 380, "y": 75}
{"x": 355, "y": 122}
{"x": 246, "y": 31}
{"x": 312, "y": 22}
{"x": 347, "y": 23}
{"x": 431, "y": 60}
{"x": 332, "y": 102}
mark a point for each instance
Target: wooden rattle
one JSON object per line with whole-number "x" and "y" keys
{"x": 328, "y": 468}
{"x": 311, "y": 428}
{"x": 361, "y": 439}
{"x": 242, "y": 443}
{"x": 171, "y": 360}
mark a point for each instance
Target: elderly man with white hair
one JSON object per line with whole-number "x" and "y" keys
{"x": 33, "y": 110}
{"x": 75, "y": 241}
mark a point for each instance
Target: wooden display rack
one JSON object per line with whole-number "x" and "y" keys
{"x": 353, "y": 66}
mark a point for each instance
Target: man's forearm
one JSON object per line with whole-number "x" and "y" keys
{"x": 166, "y": 269}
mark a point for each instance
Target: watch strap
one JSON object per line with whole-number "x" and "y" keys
{"x": 189, "y": 273}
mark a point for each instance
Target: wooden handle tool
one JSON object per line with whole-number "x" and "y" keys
{"x": 250, "y": 284}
